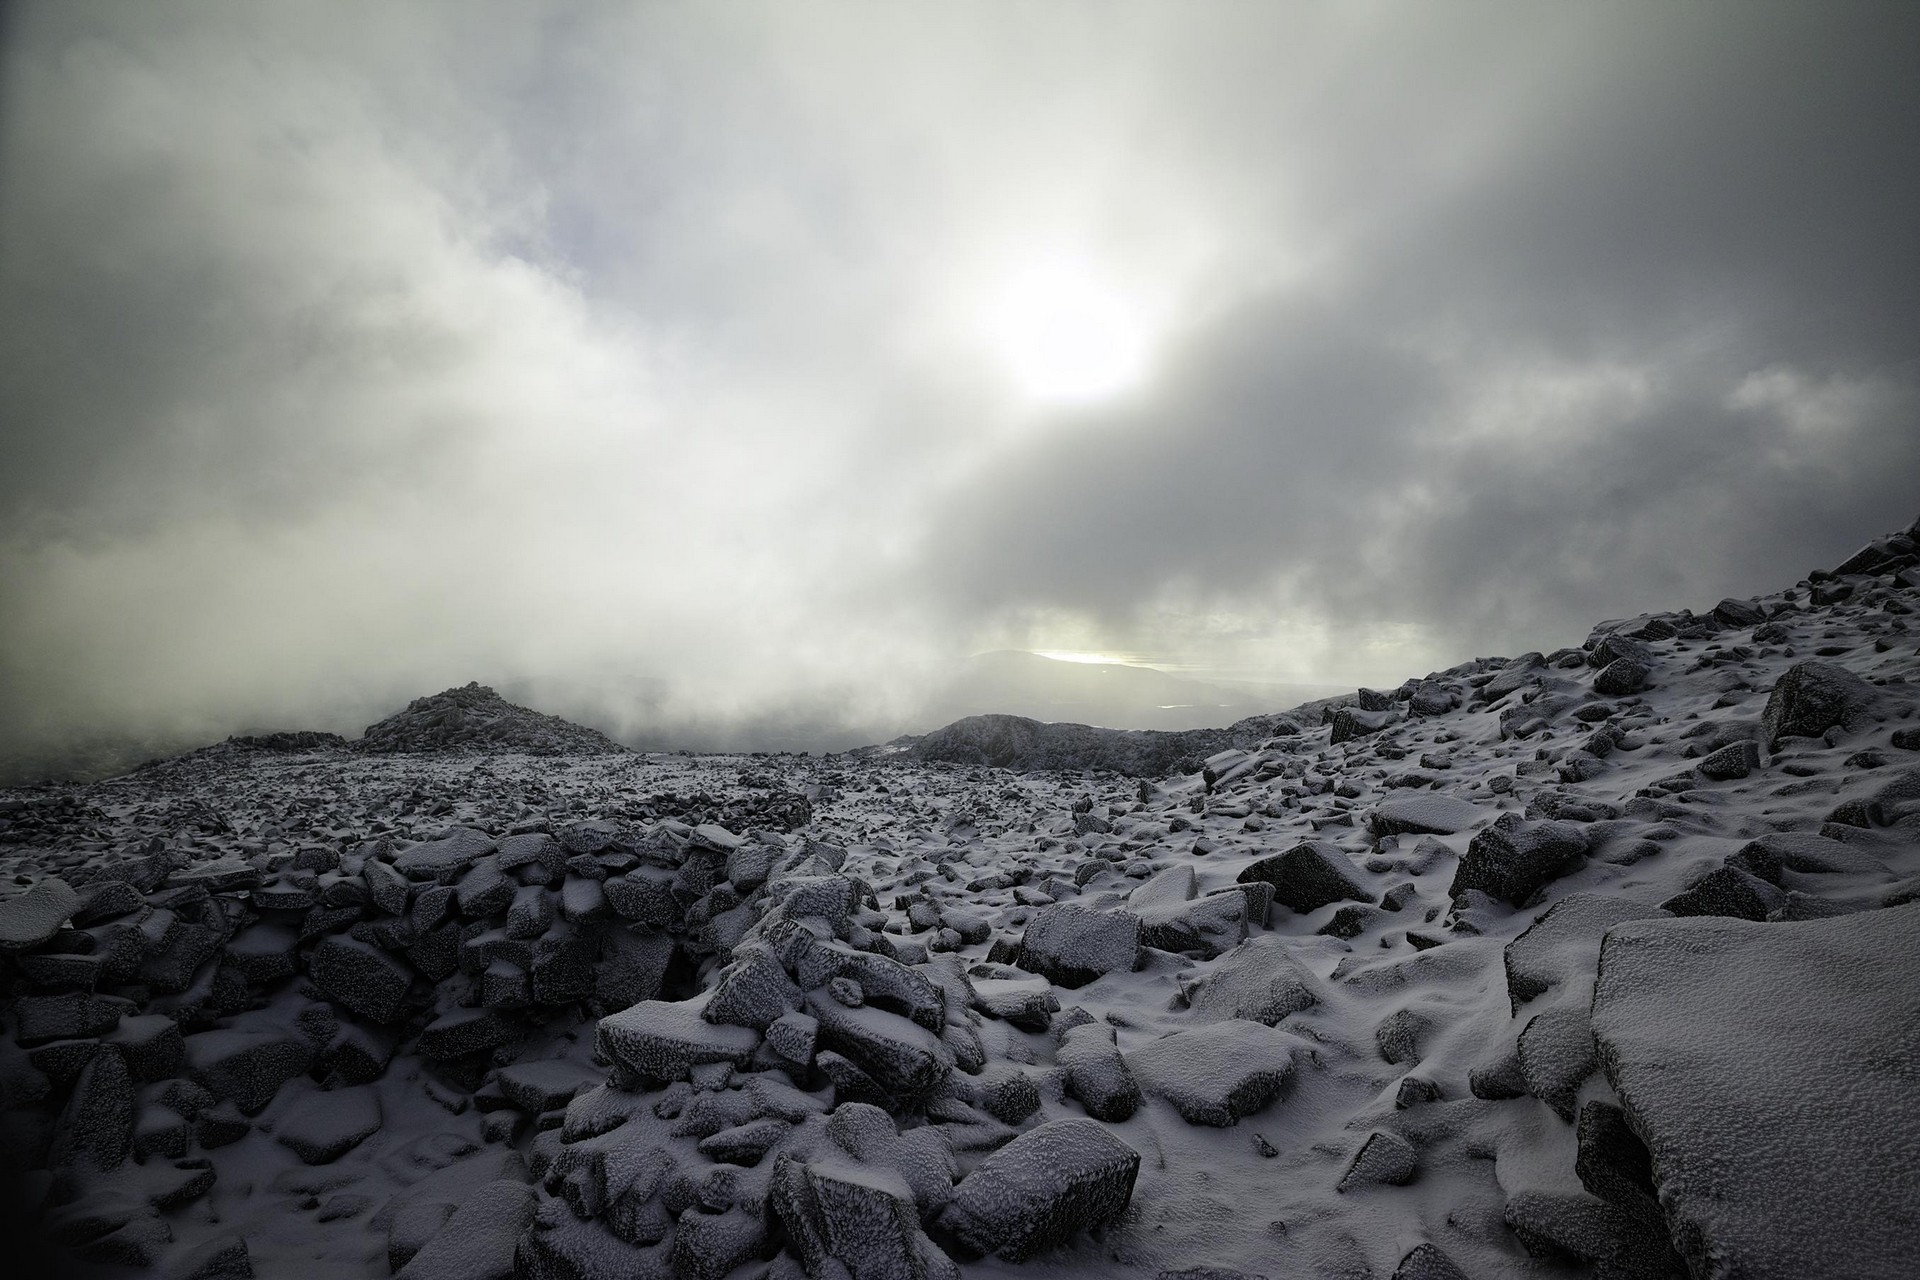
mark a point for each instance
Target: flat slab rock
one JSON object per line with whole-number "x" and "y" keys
{"x": 31, "y": 918}
{"x": 1429, "y": 813}
{"x": 663, "y": 1040}
{"x": 1215, "y": 1074}
{"x": 1771, "y": 1069}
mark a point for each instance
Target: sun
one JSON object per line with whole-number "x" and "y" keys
{"x": 1068, "y": 332}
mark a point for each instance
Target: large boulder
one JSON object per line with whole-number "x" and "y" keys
{"x": 860, "y": 1216}
{"x": 1308, "y": 876}
{"x": 1259, "y": 981}
{"x": 479, "y": 1240}
{"x": 1514, "y": 861}
{"x": 662, "y": 1040}
{"x": 1770, "y": 1069}
{"x": 1215, "y": 1074}
{"x": 1071, "y": 945}
{"x": 1813, "y": 697}
{"x": 1043, "y": 1187}
{"x": 362, "y": 977}
{"x": 33, "y": 917}
{"x": 1427, "y": 813}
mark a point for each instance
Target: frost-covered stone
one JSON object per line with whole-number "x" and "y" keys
{"x": 1727, "y": 891}
{"x": 902, "y": 1057}
{"x": 1769, "y": 1068}
{"x": 662, "y": 1040}
{"x": 30, "y": 918}
{"x": 1813, "y": 697}
{"x": 445, "y": 859}
{"x": 246, "y": 1066}
{"x": 1071, "y": 945}
{"x": 1308, "y": 876}
{"x": 1514, "y": 863}
{"x": 1563, "y": 945}
{"x": 753, "y": 991}
{"x": 1042, "y": 1188}
{"x": 545, "y": 1084}
{"x": 859, "y": 1216}
{"x": 1216, "y": 1074}
{"x": 363, "y": 978}
{"x": 479, "y": 1240}
{"x": 1429, "y": 813}
{"x": 1096, "y": 1075}
{"x": 1556, "y": 1056}
{"x": 1259, "y": 981}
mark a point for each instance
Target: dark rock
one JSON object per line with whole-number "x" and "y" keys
{"x": 1513, "y": 864}
{"x": 1216, "y": 1074}
{"x": 1733, "y": 761}
{"x": 662, "y": 1041}
{"x": 325, "y": 1126}
{"x": 68, "y": 1016}
{"x": 1308, "y": 876}
{"x": 1096, "y": 1075}
{"x": 1592, "y": 1232}
{"x": 1352, "y": 722}
{"x": 1071, "y": 945}
{"x": 1563, "y": 945}
{"x": 1621, "y": 677}
{"x": 363, "y": 978}
{"x": 1383, "y": 1159}
{"x": 1813, "y": 697}
{"x": 1260, "y": 981}
{"x": 1042, "y": 1188}
{"x": 1556, "y": 1057}
{"x": 463, "y": 1031}
{"x": 1776, "y": 1152}
{"x": 902, "y": 1057}
{"x": 246, "y": 1066}
{"x": 1727, "y": 891}
{"x": 753, "y": 991}
{"x": 1399, "y": 1034}
{"x": 1425, "y": 1262}
{"x": 1613, "y": 1163}
{"x": 96, "y": 1128}
{"x": 1738, "y": 613}
{"x": 478, "y": 1242}
{"x": 33, "y": 917}
{"x": 863, "y": 1218}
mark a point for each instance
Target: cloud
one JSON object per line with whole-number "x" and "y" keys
{"x": 349, "y": 355}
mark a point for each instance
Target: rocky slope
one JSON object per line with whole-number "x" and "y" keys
{"x": 1597, "y": 961}
{"x": 474, "y": 717}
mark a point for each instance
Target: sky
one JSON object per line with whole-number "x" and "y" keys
{"x": 774, "y": 358}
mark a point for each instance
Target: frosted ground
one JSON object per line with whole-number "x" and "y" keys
{"x": 1603, "y": 960}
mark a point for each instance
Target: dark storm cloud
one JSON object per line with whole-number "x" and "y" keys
{"x": 351, "y": 351}
{"x": 1647, "y": 338}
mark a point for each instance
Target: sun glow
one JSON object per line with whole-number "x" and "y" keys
{"x": 1068, "y": 332}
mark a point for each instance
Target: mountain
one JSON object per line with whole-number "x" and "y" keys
{"x": 474, "y": 717}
